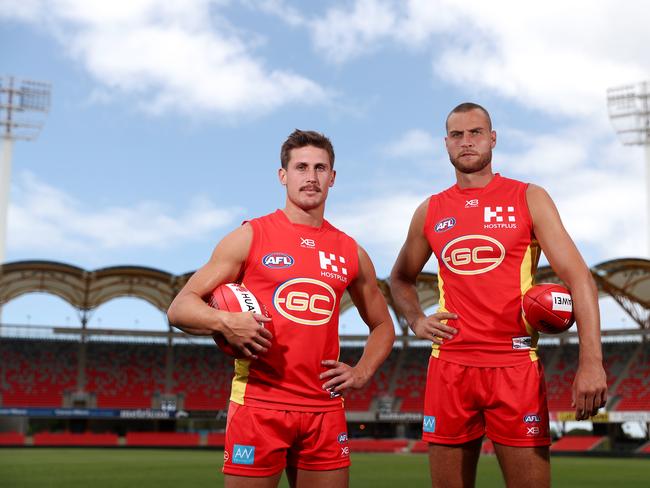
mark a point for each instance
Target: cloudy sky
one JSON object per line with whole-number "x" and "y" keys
{"x": 167, "y": 118}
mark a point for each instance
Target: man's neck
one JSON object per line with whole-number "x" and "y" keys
{"x": 296, "y": 215}
{"x": 474, "y": 180}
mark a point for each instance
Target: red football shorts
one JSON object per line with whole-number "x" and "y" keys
{"x": 262, "y": 442}
{"x": 463, "y": 403}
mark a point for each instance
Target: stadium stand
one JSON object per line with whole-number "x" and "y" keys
{"x": 577, "y": 443}
{"x": 634, "y": 389}
{"x": 37, "y": 373}
{"x": 379, "y": 384}
{"x": 560, "y": 371}
{"x": 411, "y": 380}
{"x": 203, "y": 375}
{"x": 125, "y": 375}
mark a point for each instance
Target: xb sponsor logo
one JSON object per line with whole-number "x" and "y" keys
{"x": 471, "y": 203}
{"x": 473, "y": 254}
{"x": 532, "y": 418}
{"x": 308, "y": 243}
{"x": 445, "y": 224}
{"x": 305, "y": 301}
{"x": 429, "y": 424}
{"x": 345, "y": 451}
{"x": 243, "y": 454}
{"x": 277, "y": 260}
{"x": 532, "y": 431}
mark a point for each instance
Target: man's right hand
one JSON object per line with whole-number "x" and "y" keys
{"x": 245, "y": 331}
{"x": 432, "y": 328}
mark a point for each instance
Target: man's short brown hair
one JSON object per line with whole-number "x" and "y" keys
{"x": 468, "y": 107}
{"x": 301, "y": 138}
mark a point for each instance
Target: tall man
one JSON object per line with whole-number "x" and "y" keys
{"x": 286, "y": 408}
{"x": 484, "y": 375}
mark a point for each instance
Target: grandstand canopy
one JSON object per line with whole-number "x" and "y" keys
{"x": 625, "y": 280}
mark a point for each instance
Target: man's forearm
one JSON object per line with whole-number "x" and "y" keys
{"x": 377, "y": 349}
{"x": 190, "y": 314}
{"x": 406, "y": 299}
{"x": 585, "y": 307}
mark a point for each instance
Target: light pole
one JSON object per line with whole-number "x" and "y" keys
{"x": 629, "y": 111}
{"x": 23, "y": 105}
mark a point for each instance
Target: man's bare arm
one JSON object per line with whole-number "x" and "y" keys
{"x": 371, "y": 304}
{"x": 190, "y": 312}
{"x": 590, "y": 384}
{"x": 414, "y": 254}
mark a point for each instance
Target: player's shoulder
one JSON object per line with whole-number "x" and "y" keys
{"x": 505, "y": 180}
{"x": 272, "y": 216}
{"x": 338, "y": 232}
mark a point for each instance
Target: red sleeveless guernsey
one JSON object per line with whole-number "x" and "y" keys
{"x": 487, "y": 256}
{"x": 299, "y": 273}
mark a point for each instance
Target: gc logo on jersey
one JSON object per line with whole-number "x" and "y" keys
{"x": 305, "y": 301}
{"x": 277, "y": 260}
{"x": 473, "y": 254}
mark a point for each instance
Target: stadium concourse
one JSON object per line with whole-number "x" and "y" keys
{"x": 107, "y": 387}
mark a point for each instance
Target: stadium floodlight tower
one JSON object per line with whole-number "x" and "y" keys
{"x": 629, "y": 111}
{"x": 23, "y": 105}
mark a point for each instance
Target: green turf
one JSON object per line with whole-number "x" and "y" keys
{"x": 116, "y": 468}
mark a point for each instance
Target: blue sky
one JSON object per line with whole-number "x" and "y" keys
{"x": 167, "y": 118}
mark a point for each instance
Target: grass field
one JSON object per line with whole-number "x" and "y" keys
{"x": 116, "y": 468}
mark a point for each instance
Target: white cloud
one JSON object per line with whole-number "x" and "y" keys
{"x": 170, "y": 55}
{"x": 415, "y": 143}
{"x": 597, "y": 185}
{"x": 379, "y": 224}
{"x": 343, "y": 33}
{"x": 559, "y": 57}
{"x": 45, "y": 219}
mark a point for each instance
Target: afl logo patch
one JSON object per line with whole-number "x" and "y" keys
{"x": 445, "y": 224}
{"x": 472, "y": 255}
{"x": 277, "y": 260}
{"x": 305, "y": 301}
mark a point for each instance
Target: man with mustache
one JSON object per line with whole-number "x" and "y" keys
{"x": 286, "y": 409}
{"x": 484, "y": 376}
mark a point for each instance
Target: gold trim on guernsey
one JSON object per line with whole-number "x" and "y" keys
{"x": 240, "y": 380}
{"x": 435, "y": 348}
{"x": 527, "y": 272}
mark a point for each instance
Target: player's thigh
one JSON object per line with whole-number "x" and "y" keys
{"x": 454, "y": 466}
{"x": 322, "y": 443}
{"x": 452, "y": 404}
{"x": 232, "y": 481}
{"x": 303, "y": 478}
{"x": 517, "y": 413}
{"x": 257, "y": 441}
{"x": 527, "y": 467}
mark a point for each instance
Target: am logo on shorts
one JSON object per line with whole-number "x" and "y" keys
{"x": 243, "y": 454}
{"x": 429, "y": 424}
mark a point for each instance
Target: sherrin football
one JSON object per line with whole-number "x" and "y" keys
{"x": 548, "y": 308}
{"x": 234, "y": 297}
